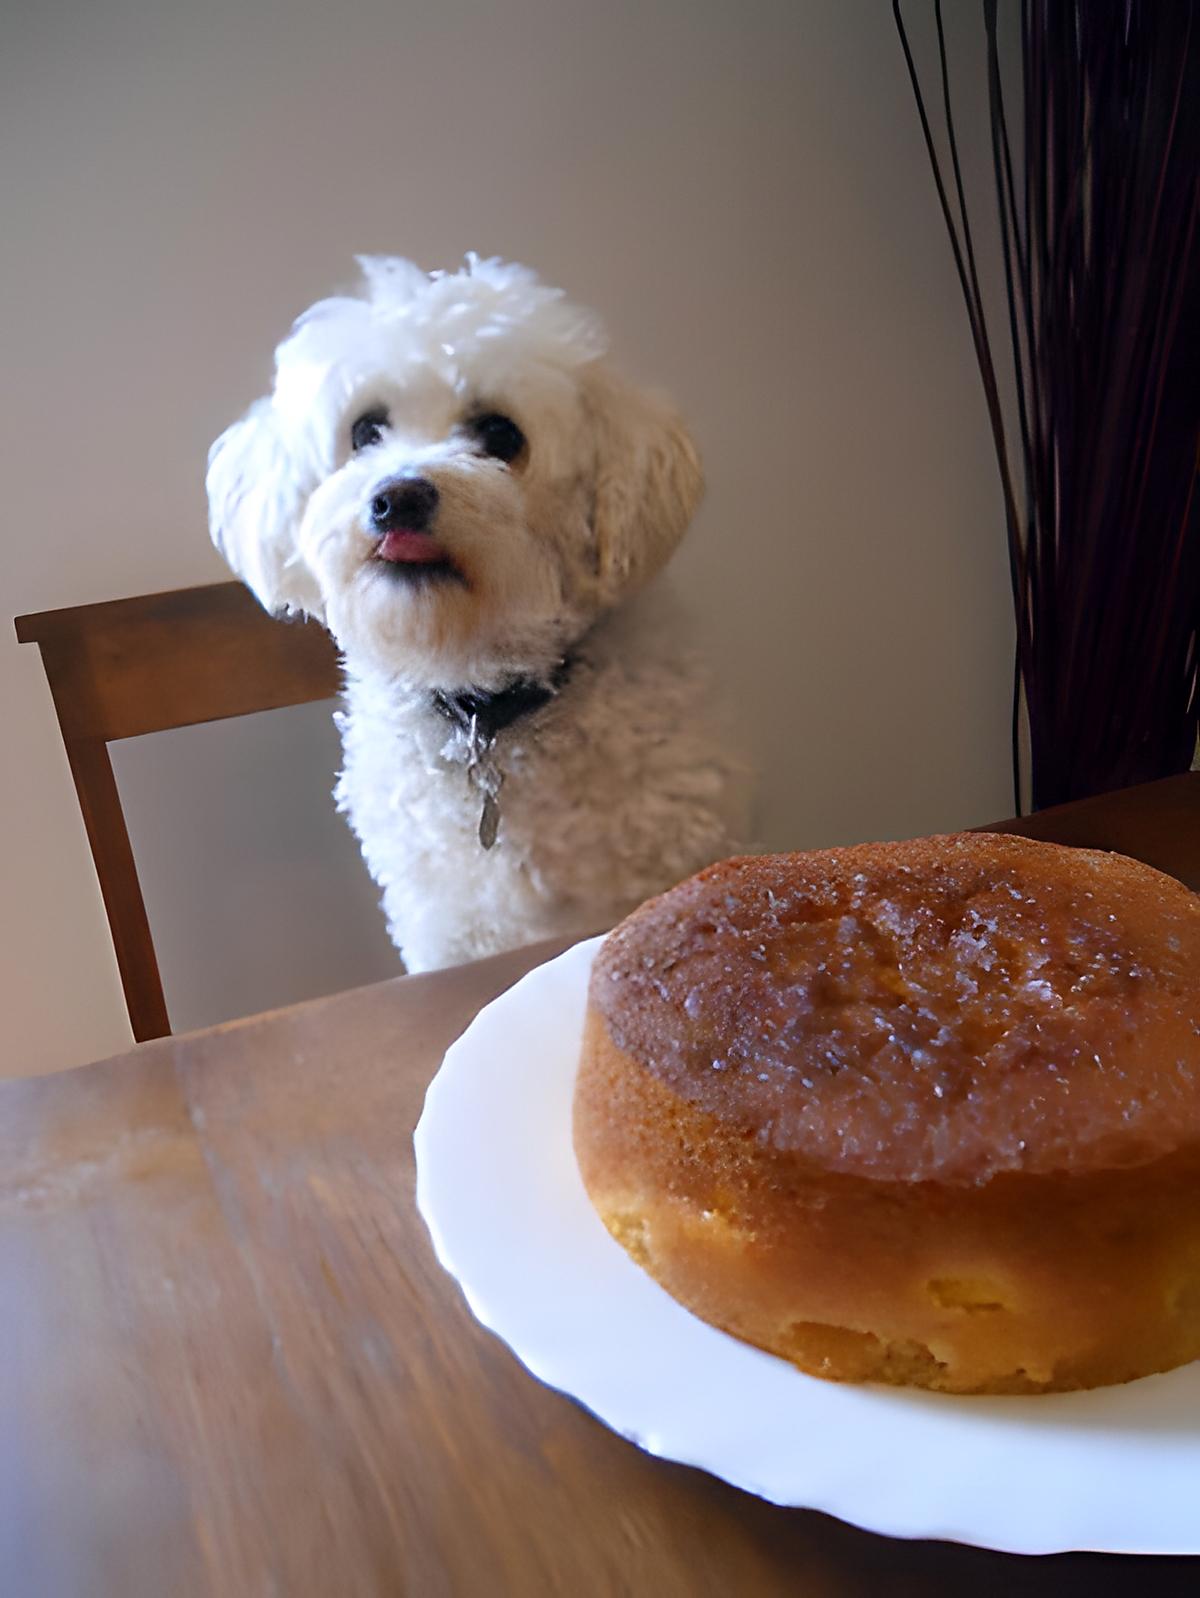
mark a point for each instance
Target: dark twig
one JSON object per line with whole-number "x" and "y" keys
{"x": 1101, "y": 259}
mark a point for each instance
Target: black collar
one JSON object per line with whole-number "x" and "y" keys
{"x": 491, "y": 713}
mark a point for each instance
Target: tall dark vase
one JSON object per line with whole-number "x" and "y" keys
{"x": 1097, "y": 173}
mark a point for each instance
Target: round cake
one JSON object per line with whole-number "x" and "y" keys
{"x": 924, "y": 1113}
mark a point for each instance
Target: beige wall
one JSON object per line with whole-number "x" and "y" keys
{"x": 740, "y": 188}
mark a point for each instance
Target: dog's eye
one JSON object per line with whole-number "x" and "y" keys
{"x": 498, "y": 436}
{"x": 368, "y": 429}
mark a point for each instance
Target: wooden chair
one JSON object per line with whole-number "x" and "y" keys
{"x": 134, "y": 666}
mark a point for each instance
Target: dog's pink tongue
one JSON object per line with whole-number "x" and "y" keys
{"x": 409, "y": 547}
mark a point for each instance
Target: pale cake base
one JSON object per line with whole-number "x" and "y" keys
{"x": 1022, "y": 1284}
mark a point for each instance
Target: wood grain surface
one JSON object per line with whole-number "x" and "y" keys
{"x": 231, "y": 1364}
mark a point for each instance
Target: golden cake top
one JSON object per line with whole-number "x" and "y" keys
{"x": 944, "y": 1009}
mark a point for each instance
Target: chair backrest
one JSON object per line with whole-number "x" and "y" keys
{"x": 148, "y": 664}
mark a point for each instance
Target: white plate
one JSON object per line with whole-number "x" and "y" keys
{"x": 1116, "y": 1470}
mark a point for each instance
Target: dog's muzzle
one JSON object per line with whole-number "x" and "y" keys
{"x": 406, "y": 504}
{"x": 401, "y": 515}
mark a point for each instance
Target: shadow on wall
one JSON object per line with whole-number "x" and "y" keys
{"x": 224, "y": 866}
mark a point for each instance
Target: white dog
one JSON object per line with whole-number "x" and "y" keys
{"x": 451, "y": 478}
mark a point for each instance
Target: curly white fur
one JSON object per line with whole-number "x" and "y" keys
{"x": 617, "y": 787}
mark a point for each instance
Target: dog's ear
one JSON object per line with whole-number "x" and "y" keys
{"x": 648, "y": 482}
{"x": 256, "y": 496}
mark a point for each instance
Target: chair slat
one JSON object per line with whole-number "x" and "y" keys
{"x": 133, "y": 666}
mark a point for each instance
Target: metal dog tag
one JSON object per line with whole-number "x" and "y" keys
{"x": 489, "y": 820}
{"x": 486, "y": 778}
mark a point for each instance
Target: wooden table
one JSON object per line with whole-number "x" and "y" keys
{"x": 230, "y": 1364}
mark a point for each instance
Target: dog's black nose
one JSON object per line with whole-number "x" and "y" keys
{"x": 405, "y": 504}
